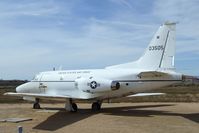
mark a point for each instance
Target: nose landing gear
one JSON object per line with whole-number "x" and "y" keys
{"x": 36, "y": 105}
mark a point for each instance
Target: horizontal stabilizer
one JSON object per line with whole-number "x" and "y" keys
{"x": 145, "y": 94}
{"x": 148, "y": 74}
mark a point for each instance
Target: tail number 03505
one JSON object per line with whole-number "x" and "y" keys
{"x": 158, "y": 47}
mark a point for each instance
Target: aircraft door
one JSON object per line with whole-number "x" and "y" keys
{"x": 42, "y": 85}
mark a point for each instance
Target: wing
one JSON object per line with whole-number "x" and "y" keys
{"x": 147, "y": 74}
{"x": 41, "y": 96}
{"x": 145, "y": 94}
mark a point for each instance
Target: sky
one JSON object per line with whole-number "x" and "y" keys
{"x": 37, "y": 35}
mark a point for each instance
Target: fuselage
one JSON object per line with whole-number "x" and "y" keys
{"x": 68, "y": 83}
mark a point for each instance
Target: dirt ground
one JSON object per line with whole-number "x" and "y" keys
{"x": 113, "y": 118}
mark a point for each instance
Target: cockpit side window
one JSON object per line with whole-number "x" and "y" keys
{"x": 36, "y": 77}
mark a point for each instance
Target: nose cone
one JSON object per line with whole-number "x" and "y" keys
{"x": 21, "y": 88}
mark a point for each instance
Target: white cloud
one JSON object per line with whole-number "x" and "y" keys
{"x": 34, "y": 8}
{"x": 53, "y": 35}
{"x": 186, "y": 12}
{"x": 122, "y": 2}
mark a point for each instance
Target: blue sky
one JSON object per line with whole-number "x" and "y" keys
{"x": 38, "y": 35}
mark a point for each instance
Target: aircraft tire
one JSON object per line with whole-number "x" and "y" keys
{"x": 36, "y": 106}
{"x": 74, "y": 107}
{"x": 96, "y": 106}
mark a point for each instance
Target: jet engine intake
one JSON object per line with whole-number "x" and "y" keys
{"x": 115, "y": 85}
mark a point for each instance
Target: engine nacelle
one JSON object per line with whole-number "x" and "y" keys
{"x": 95, "y": 85}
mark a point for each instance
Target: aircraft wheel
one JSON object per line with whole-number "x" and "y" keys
{"x": 36, "y": 106}
{"x": 96, "y": 106}
{"x": 74, "y": 107}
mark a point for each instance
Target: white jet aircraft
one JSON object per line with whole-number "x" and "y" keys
{"x": 155, "y": 69}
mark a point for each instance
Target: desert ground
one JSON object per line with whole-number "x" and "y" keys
{"x": 113, "y": 118}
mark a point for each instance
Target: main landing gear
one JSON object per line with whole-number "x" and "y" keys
{"x": 36, "y": 105}
{"x": 74, "y": 107}
{"x": 96, "y": 106}
{"x": 71, "y": 106}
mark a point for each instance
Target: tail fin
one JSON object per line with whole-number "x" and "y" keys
{"x": 160, "y": 52}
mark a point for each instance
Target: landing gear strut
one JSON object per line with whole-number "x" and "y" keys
{"x": 71, "y": 106}
{"x": 36, "y": 105}
{"x": 96, "y": 106}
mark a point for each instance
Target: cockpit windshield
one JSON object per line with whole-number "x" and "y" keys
{"x": 36, "y": 77}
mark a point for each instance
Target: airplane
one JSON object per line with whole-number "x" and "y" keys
{"x": 154, "y": 69}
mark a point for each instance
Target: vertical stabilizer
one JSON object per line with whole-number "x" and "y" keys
{"x": 161, "y": 51}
